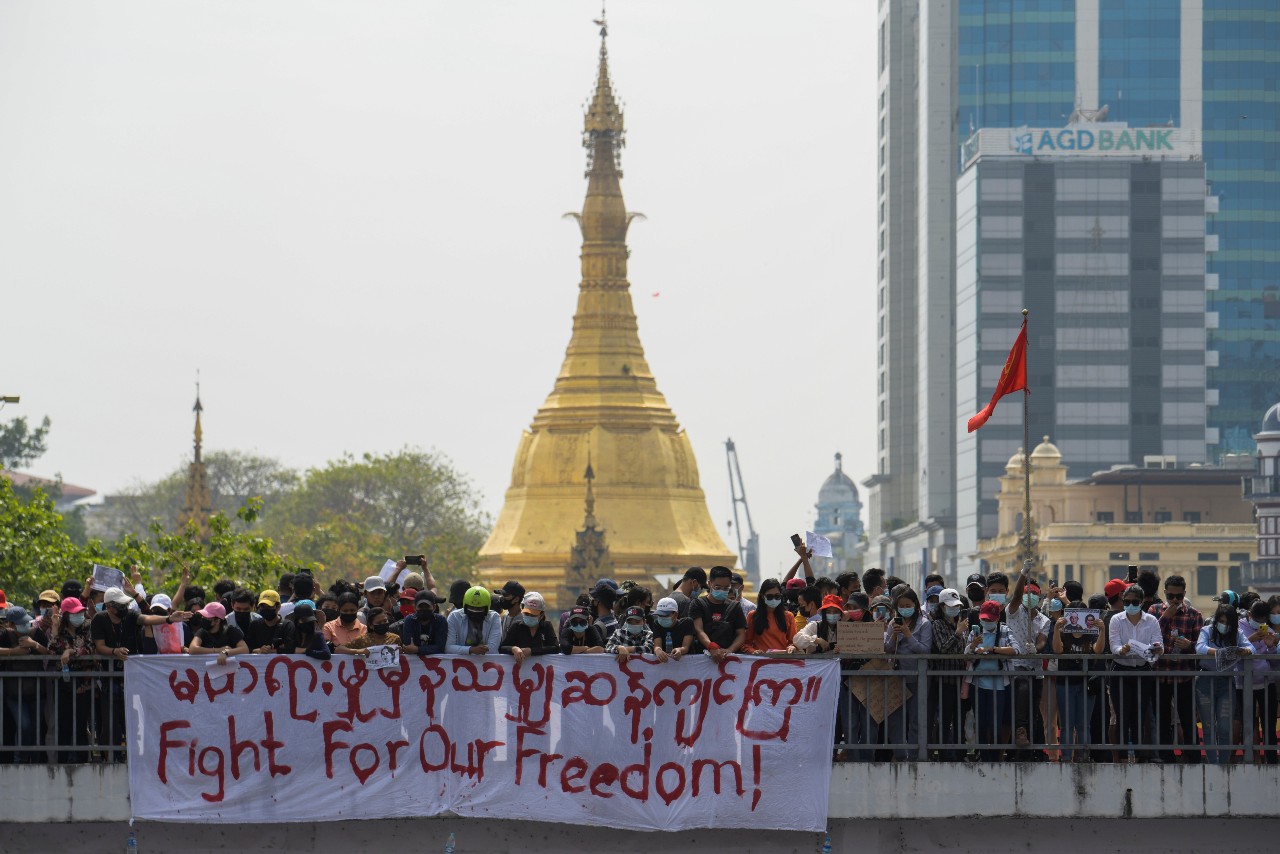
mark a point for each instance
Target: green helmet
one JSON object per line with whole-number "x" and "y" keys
{"x": 476, "y": 597}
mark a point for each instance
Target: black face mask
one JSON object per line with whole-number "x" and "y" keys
{"x": 330, "y": 613}
{"x": 347, "y": 619}
{"x": 476, "y": 614}
{"x": 197, "y": 622}
{"x": 119, "y": 610}
{"x": 267, "y": 613}
{"x": 380, "y": 629}
{"x": 243, "y": 620}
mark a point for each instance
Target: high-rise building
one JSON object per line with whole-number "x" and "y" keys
{"x": 604, "y": 415}
{"x": 949, "y": 68}
{"x": 1099, "y": 231}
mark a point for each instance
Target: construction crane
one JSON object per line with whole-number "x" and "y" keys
{"x": 748, "y": 556}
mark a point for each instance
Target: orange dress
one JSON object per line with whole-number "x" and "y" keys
{"x": 772, "y": 637}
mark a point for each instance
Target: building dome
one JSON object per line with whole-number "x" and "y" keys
{"x": 1046, "y": 454}
{"x": 838, "y": 488}
{"x": 1015, "y": 463}
{"x": 1271, "y": 421}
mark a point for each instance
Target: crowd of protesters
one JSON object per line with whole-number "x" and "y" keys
{"x": 1005, "y": 675}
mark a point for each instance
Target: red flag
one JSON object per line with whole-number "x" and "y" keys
{"x": 1012, "y": 378}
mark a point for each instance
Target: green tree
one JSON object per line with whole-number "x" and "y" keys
{"x": 234, "y": 477}
{"x": 35, "y": 552}
{"x": 353, "y": 513}
{"x": 20, "y": 445}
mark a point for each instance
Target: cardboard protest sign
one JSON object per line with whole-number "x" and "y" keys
{"x": 105, "y": 577}
{"x": 882, "y": 695}
{"x": 643, "y": 746}
{"x": 1082, "y": 621}
{"x": 859, "y": 638}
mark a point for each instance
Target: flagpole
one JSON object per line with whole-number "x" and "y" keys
{"x": 1026, "y": 465}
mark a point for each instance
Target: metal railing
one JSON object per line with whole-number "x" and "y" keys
{"x": 53, "y": 716}
{"x": 936, "y": 707}
{"x": 907, "y": 707}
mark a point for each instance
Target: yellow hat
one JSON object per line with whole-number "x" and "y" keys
{"x": 269, "y": 597}
{"x": 50, "y": 596}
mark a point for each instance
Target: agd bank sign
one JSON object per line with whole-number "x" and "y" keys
{"x": 1099, "y": 140}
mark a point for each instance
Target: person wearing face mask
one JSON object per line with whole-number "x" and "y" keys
{"x": 633, "y": 636}
{"x": 475, "y": 629}
{"x": 300, "y": 634}
{"x": 931, "y": 600}
{"x": 1135, "y": 641}
{"x": 70, "y": 642}
{"x": 164, "y": 639}
{"x": 326, "y": 607}
{"x": 378, "y": 633}
{"x": 580, "y": 635}
{"x": 533, "y": 634}
{"x": 720, "y": 625}
{"x": 945, "y": 706}
{"x": 988, "y": 684}
{"x": 347, "y": 627}
{"x": 1029, "y": 630}
{"x": 1256, "y": 630}
{"x": 262, "y": 631}
{"x": 881, "y": 609}
{"x": 791, "y": 591}
{"x": 770, "y": 628}
{"x": 671, "y": 633}
{"x": 425, "y": 631}
{"x": 21, "y": 640}
{"x": 1075, "y": 702}
{"x": 242, "y": 615}
{"x": 219, "y": 636}
{"x": 1216, "y": 697}
{"x": 1180, "y": 626}
{"x": 908, "y": 633}
{"x": 46, "y": 603}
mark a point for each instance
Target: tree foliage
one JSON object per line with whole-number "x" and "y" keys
{"x": 353, "y": 513}
{"x": 234, "y": 477}
{"x": 20, "y": 445}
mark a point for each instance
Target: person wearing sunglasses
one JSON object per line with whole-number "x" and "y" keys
{"x": 1180, "y": 626}
{"x": 580, "y": 634}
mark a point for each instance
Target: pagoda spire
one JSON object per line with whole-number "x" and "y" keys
{"x": 198, "y": 504}
{"x": 604, "y": 410}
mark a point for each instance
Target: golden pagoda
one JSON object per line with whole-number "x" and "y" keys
{"x": 198, "y": 504}
{"x": 606, "y": 404}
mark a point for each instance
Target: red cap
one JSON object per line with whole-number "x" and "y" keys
{"x": 793, "y": 584}
{"x": 832, "y": 601}
{"x": 989, "y": 611}
{"x": 1115, "y": 587}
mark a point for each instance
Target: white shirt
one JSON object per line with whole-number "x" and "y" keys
{"x": 1123, "y": 632}
{"x": 1025, "y": 633}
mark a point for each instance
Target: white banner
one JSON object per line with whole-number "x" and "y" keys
{"x": 579, "y": 739}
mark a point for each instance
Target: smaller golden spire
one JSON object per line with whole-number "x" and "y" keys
{"x": 590, "y": 521}
{"x": 198, "y": 506}
{"x": 603, "y": 133}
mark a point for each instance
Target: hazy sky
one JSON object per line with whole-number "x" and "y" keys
{"x": 347, "y": 216}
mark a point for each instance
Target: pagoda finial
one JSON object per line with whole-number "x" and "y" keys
{"x": 839, "y": 461}
{"x": 603, "y": 132}
{"x": 197, "y": 409}
{"x": 198, "y": 503}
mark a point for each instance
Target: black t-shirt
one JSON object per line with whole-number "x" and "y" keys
{"x": 540, "y": 641}
{"x": 720, "y": 620}
{"x": 679, "y": 631}
{"x": 593, "y": 636}
{"x": 229, "y": 636}
{"x": 682, "y": 603}
{"x": 260, "y": 634}
{"x": 127, "y": 633}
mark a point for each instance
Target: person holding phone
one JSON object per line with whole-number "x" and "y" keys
{"x": 909, "y": 633}
{"x": 1136, "y": 693}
